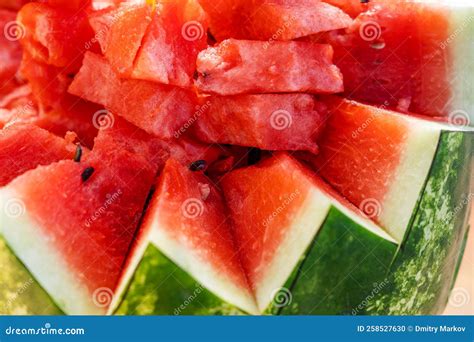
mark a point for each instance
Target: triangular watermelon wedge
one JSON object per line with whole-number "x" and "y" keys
{"x": 185, "y": 260}
{"x": 75, "y": 246}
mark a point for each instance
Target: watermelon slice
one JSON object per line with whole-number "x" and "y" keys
{"x": 243, "y": 66}
{"x": 24, "y": 146}
{"x": 102, "y": 199}
{"x": 269, "y": 122}
{"x": 272, "y": 20}
{"x": 158, "y": 109}
{"x": 186, "y": 232}
{"x": 301, "y": 216}
{"x": 10, "y": 51}
{"x": 412, "y": 56}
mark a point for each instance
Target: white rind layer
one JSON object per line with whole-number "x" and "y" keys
{"x": 410, "y": 177}
{"x": 200, "y": 270}
{"x": 36, "y": 251}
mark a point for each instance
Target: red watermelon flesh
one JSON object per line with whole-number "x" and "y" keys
{"x": 55, "y": 36}
{"x": 188, "y": 214}
{"x": 94, "y": 221}
{"x": 272, "y": 20}
{"x": 18, "y": 106}
{"x": 393, "y": 55}
{"x": 158, "y": 109}
{"x": 10, "y": 51}
{"x": 14, "y": 5}
{"x": 24, "y": 147}
{"x": 243, "y": 66}
{"x": 170, "y": 48}
{"x": 120, "y": 32}
{"x": 351, "y": 7}
{"x": 269, "y": 122}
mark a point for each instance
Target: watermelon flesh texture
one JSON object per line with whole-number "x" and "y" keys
{"x": 411, "y": 56}
{"x": 158, "y": 109}
{"x": 269, "y": 122}
{"x": 242, "y": 66}
{"x": 55, "y": 36}
{"x": 170, "y": 47}
{"x": 24, "y": 146}
{"x": 187, "y": 221}
{"x": 377, "y": 159}
{"x": 85, "y": 236}
{"x": 272, "y": 20}
{"x": 10, "y": 51}
{"x": 292, "y": 206}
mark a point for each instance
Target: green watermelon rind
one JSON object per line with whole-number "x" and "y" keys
{"x": 424, "y": 269}
{"x": 20, "y": 293}
{"x": 160, "y": 287}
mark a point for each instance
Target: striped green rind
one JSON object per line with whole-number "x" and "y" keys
{"x": 425, "y": 267}
{"x": 345, "y": 264}
{"x": 160, "y": 287}
{"x": 20, "y": 294}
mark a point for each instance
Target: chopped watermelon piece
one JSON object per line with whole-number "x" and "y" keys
{"x": 269, "y": 122}
{"x": 241, "y": 66}
{"x": 272, "y": 20}
{"x": 351, "y": 7}
{"x": 187, "y": 221}
{"x": 120, "y": 32}
{"x": 24, "y": 147}
{"x": 54, "y": 35}
{"x": 158, "y": 109}
{"x": 102, "y": 199}
{"x": 411, "y": 56}
{"x": 10, "y": 51}
{"x": 170, "y": 48}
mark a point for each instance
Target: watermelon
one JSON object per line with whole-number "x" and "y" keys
{"x": 14, "y": 5}
{"x": 158, "y": 109}
{"x": 269, "y": 122}
{"x": 103, "y": 197}
{"x": 411, "y": 56}
{"x": 10, "y": 48}
{"x": 186, "y": 232}
{"x": 31, "y": 146}
{"x": 243, "y": 66}
{"x": 272, "y": 20}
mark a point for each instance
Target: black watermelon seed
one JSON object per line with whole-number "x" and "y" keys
{"x": 198, "y": 165}
{"x": 254, "y": 156}
{"x": 87, "y": 173}
{"x": 78, "y": 155}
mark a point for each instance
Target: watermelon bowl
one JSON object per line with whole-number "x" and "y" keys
{"x": 235, "y": 157}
